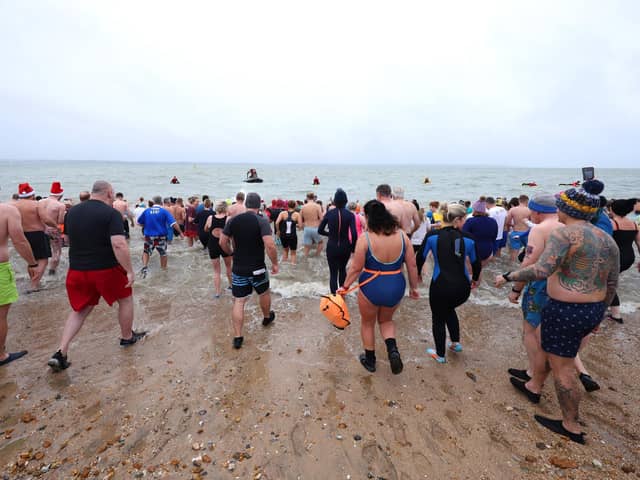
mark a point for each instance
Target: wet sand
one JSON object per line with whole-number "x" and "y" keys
{"x": 294, "y": 402}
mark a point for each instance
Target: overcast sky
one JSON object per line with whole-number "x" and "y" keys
{"x": 548, "y": 83}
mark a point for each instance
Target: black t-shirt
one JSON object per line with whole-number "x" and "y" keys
{"x": 247, "y": 230}
{"x": 90, "y": 226}
{"x": 201, "y": 219}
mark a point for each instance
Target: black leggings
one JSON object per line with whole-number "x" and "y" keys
{"x": 443, "y": 300}
{"x": 337, "y": 257}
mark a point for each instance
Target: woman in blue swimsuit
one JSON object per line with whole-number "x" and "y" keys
{"x": 377, "y": 263}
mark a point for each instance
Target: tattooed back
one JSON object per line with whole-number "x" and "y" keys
{"x": 585, "y": 264}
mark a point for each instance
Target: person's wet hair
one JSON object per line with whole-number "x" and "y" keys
{"x": 622, "y": 208}
{"x": 453, "y": 211}
{"x": 379, "y": 219}
{"x": 221, "y": 207}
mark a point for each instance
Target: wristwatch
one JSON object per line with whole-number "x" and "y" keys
{"x": 506, "y": 276}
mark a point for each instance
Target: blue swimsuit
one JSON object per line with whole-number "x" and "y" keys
{"x": 387, "y": 289}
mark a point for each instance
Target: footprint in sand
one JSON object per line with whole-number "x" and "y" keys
{"x": 399, "y": 430}
{"x": 378, "y": 462}
{"x": 297, "y": 437}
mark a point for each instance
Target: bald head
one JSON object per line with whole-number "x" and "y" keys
{"x": 102, "y": 191}
{"x": 100, "y": 187}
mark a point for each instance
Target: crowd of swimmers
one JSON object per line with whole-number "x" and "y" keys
{"x": 378, "y": 247}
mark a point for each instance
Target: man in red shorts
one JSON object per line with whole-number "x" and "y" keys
{"x": 99, "y": 266}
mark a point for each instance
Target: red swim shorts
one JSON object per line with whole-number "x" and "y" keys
{"x": 85, "y": 287}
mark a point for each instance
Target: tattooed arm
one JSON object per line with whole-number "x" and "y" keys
{"x": 555, "y": 250}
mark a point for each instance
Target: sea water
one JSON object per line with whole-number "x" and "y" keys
{"x": 293, "y": 181}
{"x": 190, "y": 269}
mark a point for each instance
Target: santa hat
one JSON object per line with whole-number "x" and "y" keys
{"x": 56, "y": 189}
{"x": 25, "y": 190}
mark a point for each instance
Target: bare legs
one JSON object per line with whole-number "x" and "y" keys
{"x": 75, "y": 320}
{"x": 72, "y": 326}
{"x": 567, "y": 390}
{"x": 42, "y": 266}
{"x": 531, "y": 341}
{"x": 4, "y": 328}
{"x": 369, "y": 314}
{"x": 237, "y": 312}
{"x": 215, "y": 262}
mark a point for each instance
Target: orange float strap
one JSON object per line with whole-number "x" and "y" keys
{"x": 333, "y": 306}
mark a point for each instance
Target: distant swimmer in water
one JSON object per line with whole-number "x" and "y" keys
{"x": 529, "y": 184}
{"x": 574, "y": 184}
{"x": 174, "y": 180}
{"x": 426, "y": 180}
{"x": 316, "y": 181}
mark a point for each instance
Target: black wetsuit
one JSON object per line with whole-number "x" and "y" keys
{"x": 450, "y": 286}
{"x": 339, "y": 247}
{"x": 624, "y": 239}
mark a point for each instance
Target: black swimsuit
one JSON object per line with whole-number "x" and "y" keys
{"x": 624, "y": 239}
{"x": 214, "y": 242}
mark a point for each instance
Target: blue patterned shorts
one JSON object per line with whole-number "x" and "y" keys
{"x": 565, "y": 324}
{"x": 534, "y": 298}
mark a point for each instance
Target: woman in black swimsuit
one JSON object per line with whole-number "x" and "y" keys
{"x": 625, "y": 233}
{"x": 214, "y": 225}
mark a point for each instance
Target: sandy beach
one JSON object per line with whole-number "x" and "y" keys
{"x": 294, "y": 402}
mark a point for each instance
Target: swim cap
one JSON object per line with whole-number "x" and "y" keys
{"x": 581, "y": 203}
{"x": 335, "y": 309}
{"x": 543, "y": 203}
{"x": 252, "y": 200}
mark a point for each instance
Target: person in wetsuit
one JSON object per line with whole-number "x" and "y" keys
{"x": 377, "y": 264}
{"x": 625, "y": 233}
{"x": 340, "y": 245}
{"x": 450, "y": 284}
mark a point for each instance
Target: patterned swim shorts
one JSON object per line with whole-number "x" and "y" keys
{"x": 565, "y": 324}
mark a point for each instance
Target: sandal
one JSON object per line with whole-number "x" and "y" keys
{"x": 615, "y": 319}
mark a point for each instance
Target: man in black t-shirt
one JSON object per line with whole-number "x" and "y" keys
{"x": 99, "y": 266}
{"x": 251, "y": 235}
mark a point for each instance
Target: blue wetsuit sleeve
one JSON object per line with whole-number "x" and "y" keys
{"x": 424, "y": 251}
{"x": 322, "y": 228}
{"x": 476, "y": 264}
